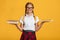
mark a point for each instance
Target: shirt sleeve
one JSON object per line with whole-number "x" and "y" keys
{"x": 37, "y": 19}
{"x": 21, "y": 20}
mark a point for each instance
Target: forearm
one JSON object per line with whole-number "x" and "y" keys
{"x": 45, "y": 21}
{"x": 41, "y": 25}
{"x": 18, "y": 27}
{"x": 38, "y": 27}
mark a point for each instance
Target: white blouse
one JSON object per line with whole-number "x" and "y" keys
{"x": 29, "y": 22}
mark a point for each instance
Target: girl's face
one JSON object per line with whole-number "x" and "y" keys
{"x": 29, "y": 8}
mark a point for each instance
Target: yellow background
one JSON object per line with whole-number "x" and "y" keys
{"x": 44, "y": 9}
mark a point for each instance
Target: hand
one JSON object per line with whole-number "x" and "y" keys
{"x": 13, "y": 22}
{"x": 42, "y": 22}
{"x": 47, "y": 21}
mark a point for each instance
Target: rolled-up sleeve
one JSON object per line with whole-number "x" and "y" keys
{"x": 21, "y": 20}
{"x": 37, "y": 19}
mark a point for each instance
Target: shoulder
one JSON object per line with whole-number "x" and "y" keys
{"x": 22, "y": 17}
{"x": 36, "y": 17}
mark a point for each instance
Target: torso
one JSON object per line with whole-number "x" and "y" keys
{"x": 29, "y": 23}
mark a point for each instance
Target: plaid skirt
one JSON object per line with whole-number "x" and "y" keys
{"x": 28, "y": 35}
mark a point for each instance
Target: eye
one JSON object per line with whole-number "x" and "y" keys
{"x": 30, "y": 7}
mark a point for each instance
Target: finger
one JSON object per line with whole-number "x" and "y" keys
{"x": 12, "y": 22}
{"x": 47, "y": 20}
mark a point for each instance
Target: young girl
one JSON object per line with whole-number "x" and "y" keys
{"x": 29, "y": 23}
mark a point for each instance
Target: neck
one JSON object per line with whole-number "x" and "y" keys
{"x": 29, "y": 13}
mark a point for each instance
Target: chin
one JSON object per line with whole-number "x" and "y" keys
{"x": 30, "y": 11}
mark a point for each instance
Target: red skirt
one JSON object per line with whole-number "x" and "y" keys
{"x": 28, "y": 35}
